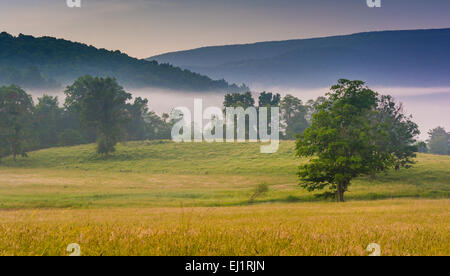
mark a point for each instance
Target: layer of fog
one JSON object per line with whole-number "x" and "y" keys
{"x": 428, "y": 106}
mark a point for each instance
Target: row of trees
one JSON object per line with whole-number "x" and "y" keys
{"x": 295, "y": 115}
{"x": 95, "y": 109}
{"x": 100, "y": 110}
{"x": 350, "y": 132}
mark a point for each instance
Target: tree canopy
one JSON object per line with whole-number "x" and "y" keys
{"x": 16, "y": 108}
{"x": 101, "y": 103}
{"x": 350, "y": 136}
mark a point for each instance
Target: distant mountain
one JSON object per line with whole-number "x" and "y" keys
{"x": 397, "y": 58}
{"x": 48, "y": 62}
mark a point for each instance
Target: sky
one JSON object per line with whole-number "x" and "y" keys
{"x": 143, "y": 28}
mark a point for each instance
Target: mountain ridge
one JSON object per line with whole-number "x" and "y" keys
{"x": 48, "y": 62}
{"x": 404, "y": 57}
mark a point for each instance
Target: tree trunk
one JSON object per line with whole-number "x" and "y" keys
{"x": 340, "y": 192}
{"x": 13, "y": 151}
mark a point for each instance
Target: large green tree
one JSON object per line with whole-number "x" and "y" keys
{"x": 101, "y": 103}
{"x": 345, "y": 139}
{"x": 16, "y": 110}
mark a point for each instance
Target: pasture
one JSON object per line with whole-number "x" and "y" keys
{"x": 163, "y": 198}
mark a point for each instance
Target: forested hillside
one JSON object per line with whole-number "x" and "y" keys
{"x": 396, "y": 58}
{"x": 47, "y": 62}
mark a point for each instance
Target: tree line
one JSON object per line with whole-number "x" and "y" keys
{"x": 350, "y": 132}
{"x": 295, "y": 115}
{"x": 100, "y": 110}
{"x": 95, "y": 110}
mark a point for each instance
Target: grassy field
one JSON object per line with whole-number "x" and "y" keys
{"x": 164, "y": 174}
{"x": 401, "y": 227}
{"x": 162, "y": 198}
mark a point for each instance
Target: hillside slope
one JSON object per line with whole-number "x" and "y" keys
{"x": 150, "y": 174}
{"x": 47, "y": 62}
{"x": 400, "y": 58}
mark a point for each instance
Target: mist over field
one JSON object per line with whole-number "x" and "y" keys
{"x": 428, "y": 106}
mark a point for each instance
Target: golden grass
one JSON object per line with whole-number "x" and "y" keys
{"x": 400, "y": 226}
{"x": 162, "y": 198}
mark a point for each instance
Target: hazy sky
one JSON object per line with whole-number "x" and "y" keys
{"x": 143, "y": 28}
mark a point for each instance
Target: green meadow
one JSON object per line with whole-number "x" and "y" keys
{"x": 163, "y": 198}
{"x": 166, "y": 174}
